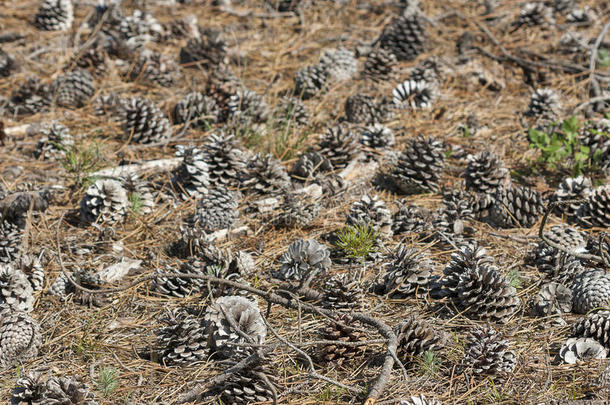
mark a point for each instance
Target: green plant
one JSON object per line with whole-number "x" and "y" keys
{"x": 357, "y": 241}
{"x": 603, "y": 57}
{"x": 430, "y": 362}
{"x": 135, "y": 202}
{"x": 107, "y": 380}
{"x": 559, "y": 144}
{"x": 514, "y": 278}
{"x": 81, "y": 161}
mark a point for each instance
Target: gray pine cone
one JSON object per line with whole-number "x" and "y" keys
{"x": 29, "y": 390}
{"x": 265, "y": 175}
{"x": 143, "y": 122}
{"x": 535, "y": 14}
{"x": 32, "y": 268}
{"x": 419, "y": 166}
{"x": 310, "y": 80}
{"x": 415, "y": 337}
{"x": 108, "y": 104}
{"x": 30, "y": 97}
{"x": 373, "y": 212}
{"x": 339, "y": 145}
{"x": 226, "y": 162}
{"x": 408, "y": 218}
{"x": 595, "y": 211}
{"x": 155, "y": 68}
{"x": 573, "y": 188}
{"x": 192, "y": 177}
{"x": 584, "y": 17}
{"x": 405, "y": 37}
{"x": 215, "y": 210}
{"x": 451, "y": 219}
{"x": 183, "y": 340}
{"x": 544, "y": 103}
{"x": 56, "y": 141}
{"x": 139, "y": 193}
{"x": 342, "y": 292}
{"x": 19, "y": 337}
{"x": 67, "y": 391}
{"x": 73, "y": 89}
{"x": 343, "y": 329}
{"x": 487, "y": 353}
{"x": 379, "y": 65}
{"x": 485, "y": 173}
{"x": 414, "y": 94}
{"x": 93, "y": 59}
{"x": 340, "y": 63}
{"x": 105, "y": 201}
{"x": 61, "y": 287}
{"x": 246, "y": 387}
{"x": 596, "y": 325}
{"x": 15, "y": 289}
{"x": 361, "y": 109}
{"x": 310, "y": 164}
{"x": 295, "y": 211}
{"x": 580, "y": 350}
{"x": 378, "y": 137}
{"x": 244, "y": 313}
{"x": 247, "y": 107}
{"x": 547, "y": 259}
{"x": 517, "y": 206}
{"x": 303, "y": 259}
{"x": 208, "y": 51}
{"x": 7, "y": 64}
{"x": 10, "y": 241}
{"x": 54, "y": 15}
{"x": 407, "y": 273}
{"x": 200, "y": 110}
{"x": 420, "y": 400}
{"x": 596, "y": 136}
{"x": 552, "y": 299}
{"x": 591, "y": 291}
{"x": 290, "y": 112}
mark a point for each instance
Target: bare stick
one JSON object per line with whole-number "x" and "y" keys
{"x": 152, "y": 166}
{"x": 593, "y": 59}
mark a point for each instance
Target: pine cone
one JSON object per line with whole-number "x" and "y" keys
{"x": 552, "y": 299}
{"x": 405, "y": 37}
{"x": 343, "y": 329}
{"x": 363, "y": 109}
{"x": 408, "y": 218}
{"x": 221, "y": 85}
{"x": 247, "y": 107}
{"x": 143, "y": 122}
{"x": 10, "y": 241}
{"x": 54, "y": 15}
{"x": 29, "y": 390}
{"x": 485, "y": 173}
{"x": 547, "y": 258}
{"x": 379, "y": 65}
{"x": 93, "y": 59}
{"x": 32, "y": 268}
{"x": 415, "y": 337}
{"x": 265, "y": 175}
{"x": 30, "y": 97}
{"x": 339, "y": 145}
{"x": 7, "y": 64}
{"x": 535, "y": 13}
{"x": 429, "y": 70}
{"x": 108, "y": 104}
{"x": 584, "y": 17}
{"x": 66, "y": 390}
{"x": 294, "y": 211}
{"x": 340, "y": 63}
{"x": 596, "y": 325}
{"x": 413, "y": 94}
{"x": 61, "y": 287}
{"x": 516, "y": 206}
{"x": 563, "y": 5}
{"x": 226, "y": 163}
{"x": 139, "y": 194}
{"x": 155, "y": 68}
{"x": 183, "y": 340}
{"x": 248, "y": 386}
{"x": 208, "y": 52}
{"x": 596, "y": 136}
{"x": 341, "y": 292}
{"x": 591, "y": 291}
{"x": 303, "y": 259}
{"x": 310, "y": 80}
{"x": 310, "y": 164}
{"x": 544, "y": 103}
{"x": 420, "y": 400}
{"x": 19, "y": 337}
{"x": 55, "y": 143}
{"x": 15, "y": 289}
{"x": 244, "y": 313}
{"x": 215, "y": 210}
{"x": 576, "y": 351}
{"x": 419, "y": 166}
{"x": 408, "y": 273}
{"x": 290, "y": 112}
{"x": 104, "y": 202}
{"x": 378, "y": 137}
{"x": 573, "y": 188}
{"x": 198, "y": 109}
{"x": 487, "y": 353}
{"x": 371, "y": 211}
{"x": 595, "y": 211}
{"x": 452, "y": 217}
{"x": 192, "y": 177}
{"x": 73, "y": 89}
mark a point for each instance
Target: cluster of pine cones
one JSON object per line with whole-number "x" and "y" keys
{"x": 219, "y": 184}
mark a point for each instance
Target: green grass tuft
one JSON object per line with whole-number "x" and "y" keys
{"x": 107, "y": 381}
{"x": 357, "y": 241}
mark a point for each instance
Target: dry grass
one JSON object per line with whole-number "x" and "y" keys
{"x": 81, "y": 340}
